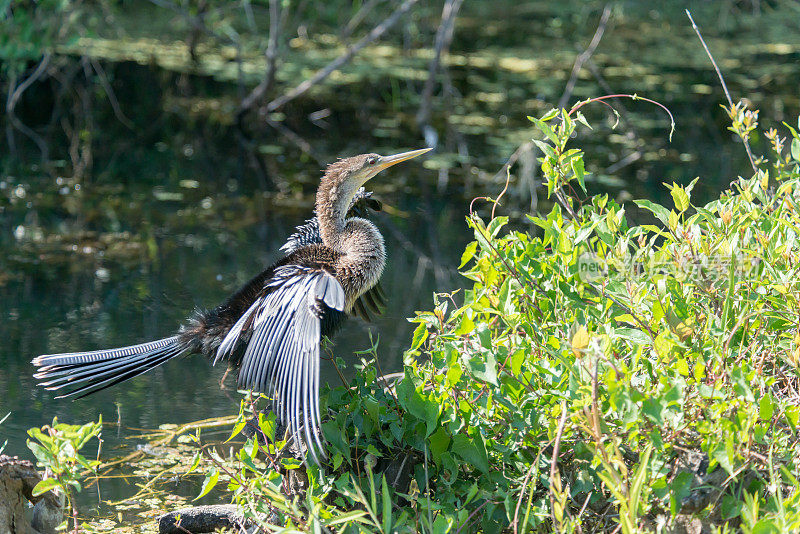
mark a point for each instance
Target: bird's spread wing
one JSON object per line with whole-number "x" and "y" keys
{"x": 282, "y": 353}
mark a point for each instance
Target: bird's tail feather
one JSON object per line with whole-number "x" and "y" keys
{"x": 83, "y": 373}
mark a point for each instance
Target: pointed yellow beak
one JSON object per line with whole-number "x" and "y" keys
{"x": 387, "y": 161}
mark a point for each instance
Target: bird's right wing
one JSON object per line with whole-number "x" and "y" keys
{"x": 282, "y": 353}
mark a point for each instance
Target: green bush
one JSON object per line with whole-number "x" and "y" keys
{"x": 598, "y": 377}
{"x": 57, "y": 449}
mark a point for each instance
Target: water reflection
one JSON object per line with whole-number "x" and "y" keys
{"x": 84, "y": 301}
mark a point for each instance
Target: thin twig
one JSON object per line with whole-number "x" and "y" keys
{"x": 428, "y": 488}
{"x": 583, "y": 57}
{"x": 112, "y": 98}
{"x": 272, "y": 61}
{"x": 11, "y": 103}
{"x": 512, "y": 159}
{"x": 292, "y": 136}
{"x": 503, "y": 192}
{"x": 444, "y": 34}
{"x": 30, "y": 80}
{"x": 522, "y": 492}
{"x": 554, "y": 459}
{"x": 724, "y": 87}
{"x": 467, "y": 520}
{"x": 600, "y": 99}
{"x": 358, "y": 18}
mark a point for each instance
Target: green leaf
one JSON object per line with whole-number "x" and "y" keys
{"x": 291, "y": 463}
{"x": 545, "y": 148}
{"x": 336, "y": 438}
{"x": 354, "y": 515}
{"x": 792, "y": 414}
{"x": 43, "y": 456}
{"x": 580, "y": 172}
{"x": 796, "y": 149}
{"x": 655, "y": 408}
{"x": 472, "y": 451}
{"x": 723, "y": 454}
{"x": 208, "y": 484}
{"x": 765, "y": 526}
{"x": 496, "y": 224}
{"x": 337, "y": 460}
{"x": 44, "y": 486}
{"x": 419, "y": 404}
{"x": 672, "y": 220}
{"x": 267, "y": 425}
{"x": 550, "y": 115}
{"x": 633, "y": 335}
{"x": 442, "y": 524}
{"x": 546, "y": 130}
{"x": 439, "y": 441}
{"x": 681, "y": 198}
{"x": 386, "y": 497}
{"x": 730, "y": 507}
{"x": 484, "y": 367}
{"x": 372, "y": 406}
{"x": 240, "y": 424}
{"x": 661, "y": 213}
{"x": 681, "y": 487}
{"x": 420, "y": 335}
{"x": 469, "y": 253}
{"x": 581, "y": 119}
{"x": 467, "y": 325}
{"x": 765, "y": 407}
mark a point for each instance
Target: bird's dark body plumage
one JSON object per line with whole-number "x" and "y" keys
{"x": 270, "y": 329}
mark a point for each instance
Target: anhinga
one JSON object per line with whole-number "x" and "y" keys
{"x": 270, "y": 330}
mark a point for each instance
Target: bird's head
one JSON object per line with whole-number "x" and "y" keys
{"x": 357, "y": 170}
{"x": 343, "y": 178}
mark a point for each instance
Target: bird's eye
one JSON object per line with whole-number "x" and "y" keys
{"x": 372, "y": 160}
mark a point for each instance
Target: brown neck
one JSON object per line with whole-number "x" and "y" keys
{"x": 333, "y": 199}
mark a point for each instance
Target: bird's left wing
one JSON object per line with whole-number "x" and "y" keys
{"x": 282, "y": 353}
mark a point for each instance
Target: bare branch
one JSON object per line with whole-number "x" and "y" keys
{"x": 14, "y": 94}
{"x": 583, "y": 57}
{"x": 360, "y": 15}
{"x": 724, "y": 86}
{"x": 112, "y": 98}
{"x": 444, "y": 34}
{"x": 271, "y": 54}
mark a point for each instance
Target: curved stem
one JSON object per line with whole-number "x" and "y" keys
{"x": 579, "y": 105}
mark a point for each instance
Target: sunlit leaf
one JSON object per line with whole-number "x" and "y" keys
{"x": 208, "y": 483}
{"x": 44, "y": 486}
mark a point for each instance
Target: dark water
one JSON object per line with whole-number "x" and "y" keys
{"x": 81, "y": 301}
{"x": 172, "y": 213}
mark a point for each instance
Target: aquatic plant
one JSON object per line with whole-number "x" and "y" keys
{"x": 57, "y": 449}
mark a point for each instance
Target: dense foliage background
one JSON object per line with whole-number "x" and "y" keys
{"x": 600, "y": 377}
